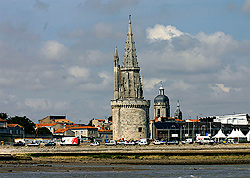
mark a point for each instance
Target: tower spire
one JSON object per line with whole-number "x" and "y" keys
{"x": 129, "y": 26}
{"x": 130, "y": 58}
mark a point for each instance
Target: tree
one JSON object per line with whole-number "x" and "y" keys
{"x": 90, "y": 122}
{"x": 23, "y": 121}
{"x": 43, "y": 130}
{"x": 4, "y": 116}
{"x": 110, "y": 118}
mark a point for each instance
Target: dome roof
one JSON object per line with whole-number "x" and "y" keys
{"x": 161, "y": 99}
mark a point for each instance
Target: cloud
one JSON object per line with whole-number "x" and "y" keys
{"x": 160, "y": 32}
{"x": 179, "y": 51}
{"x": 54, "y": 50}
{"x": 180, "y": 85}
{"x": 40, "y": 5}
{"x": 149, "y": 84}
{"x": 236, "y": 78}
{"x": 246, "y": 7}
{"x": 82, "y": 73}
{"x": 42, "y": 104}
{"x": 223, "y": 88}
{"x": 91, "y": 58}
{"x": 106, "y": 78}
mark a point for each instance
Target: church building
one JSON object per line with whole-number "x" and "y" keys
{"x": 161, "y": 105}
{"x": 130, "y": 111}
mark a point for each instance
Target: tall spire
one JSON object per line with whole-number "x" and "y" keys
{"x": 129, "y": 26}
{"x": 130, "y": 58}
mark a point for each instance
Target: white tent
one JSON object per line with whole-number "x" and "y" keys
{"x": 236, "y": 134}
{"x": 248, "y": 136}
{"x": 220, "y": 134}
{"x": 240, "y": 133}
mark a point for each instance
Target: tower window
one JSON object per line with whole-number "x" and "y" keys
{"x": 139, "y": 129}
{"x": 158, "y": 113}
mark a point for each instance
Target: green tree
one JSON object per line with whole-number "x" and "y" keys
{"x": 110, "y": 118}
{"x": 43, "y": 130}
{"x": 4, "y": 116}
{"x": 90, "y": 122}
{"x": 23, "y": 121}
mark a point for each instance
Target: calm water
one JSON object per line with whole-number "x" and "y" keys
{"x": 149, "y": 171}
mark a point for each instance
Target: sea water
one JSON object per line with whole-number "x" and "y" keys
{"x": 144, "y": 171}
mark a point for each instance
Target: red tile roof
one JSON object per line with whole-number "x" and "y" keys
{"x": 60, "y": 130}
{"x": 69, "y": 126}
{"x": 83, "y": 127}
{"x": 101, "y": 120}
{"x": 14, "y": 125}
{"x": 105, "y": 130}
{"x": 193, "y": 120}
{"x": 44, "y": 125}
{"x": 2, "y": 120}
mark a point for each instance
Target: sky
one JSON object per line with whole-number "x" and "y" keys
{"x": 56, "y": 56}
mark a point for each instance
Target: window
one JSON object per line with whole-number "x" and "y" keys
{"x": 158, "y": 113}
{"x": 139, "y": 129}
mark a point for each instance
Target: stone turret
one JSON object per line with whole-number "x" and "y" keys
{"x": 116, "y": 74}
{"x": 130, "y": 112}
{"x": 178, "y": 113}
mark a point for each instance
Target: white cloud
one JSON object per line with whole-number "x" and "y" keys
{"x": 106, "y": 77}
{"x": 223, "y": 88}
{"x": 160, "y": 32}
{"x": 246, "y": 7}
{"x": 237, "y": 78}
{"x": 54, "y": 50}
{"x": 79, "y": 72}
{"x": 149, "y": 84}
{"x": 185, "y": 52}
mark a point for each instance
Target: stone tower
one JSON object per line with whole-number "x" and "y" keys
{"x": 161, "y": 104}
{"x": 130, "y": 111}
{"x": 178, "y": 113}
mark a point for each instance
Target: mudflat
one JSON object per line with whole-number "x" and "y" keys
{"x": 42, "y": 157}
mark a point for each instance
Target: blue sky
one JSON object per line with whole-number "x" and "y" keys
{"x": 57, "y": 56}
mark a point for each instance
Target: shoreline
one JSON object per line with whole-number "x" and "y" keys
{"x": 129, "y": 155}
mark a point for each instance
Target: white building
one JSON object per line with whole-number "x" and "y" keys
{"x": 235, "y": 119}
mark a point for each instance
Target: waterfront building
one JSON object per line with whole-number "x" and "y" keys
{"x": 85, "y": 131}
{"x": 56, "y": 119}
{"x": 234, "y": 119}
{"x": 161, "y": 105}
{"x": 130, "y": 111}
{"x": 52, "y": 127}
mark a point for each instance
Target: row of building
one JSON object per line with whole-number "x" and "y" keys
{"x": 161, "y": 128}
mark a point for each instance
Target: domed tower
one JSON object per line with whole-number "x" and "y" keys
{"x": 161, "y": 104}
{"x": 178, "y": 113}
